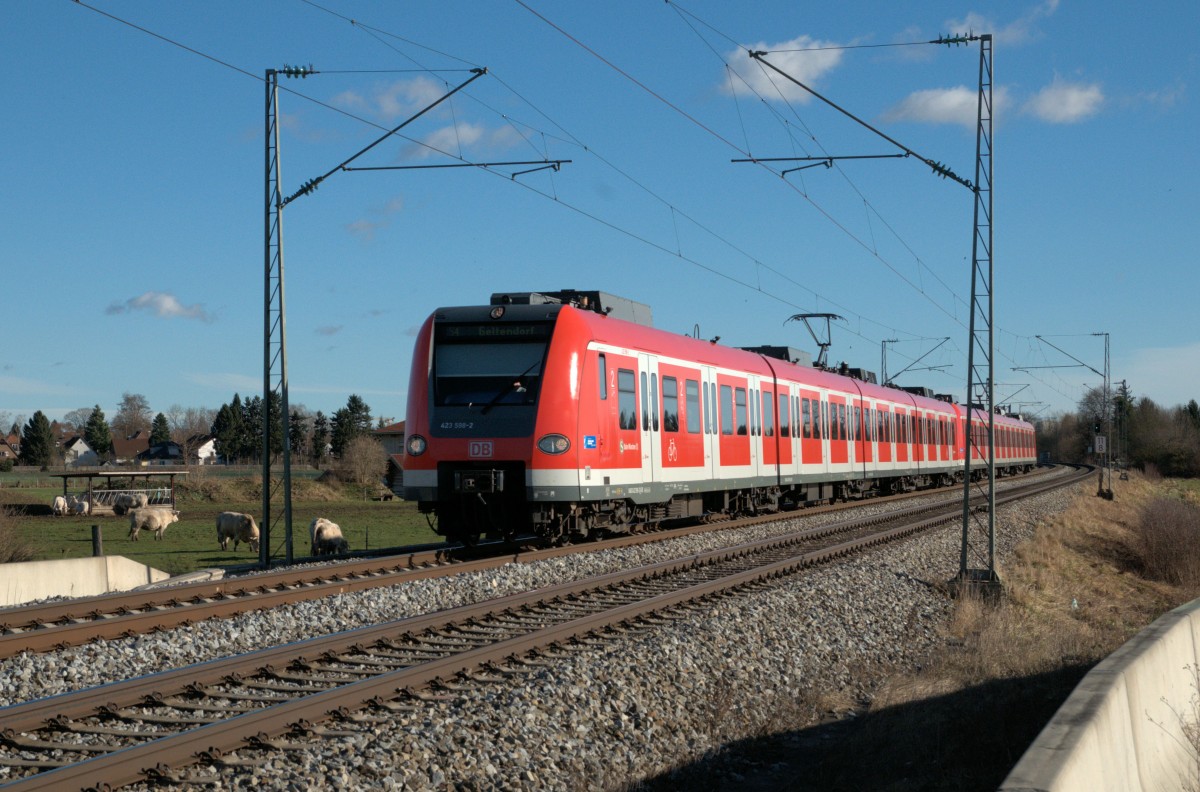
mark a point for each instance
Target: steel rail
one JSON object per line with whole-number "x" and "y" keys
{"x": 181, "y": 749}
{"x": 60, "y": 625}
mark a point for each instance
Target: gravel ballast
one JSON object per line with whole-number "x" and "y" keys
{"x": 602, "y": 715}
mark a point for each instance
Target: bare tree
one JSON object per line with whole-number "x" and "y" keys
{"x": 76, "y": 420}
{"x": 363, "y": 462}
{"x": 188, "y": 425}
{"x": 133, "y": 415}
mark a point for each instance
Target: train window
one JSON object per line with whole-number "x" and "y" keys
{"x": 856, "y": 423}
{"x": 692, "y": 404}
{"x": 833, "y": 426}
{"x": 785, "y": 428}
{"x": 726, "y": 410}
{"x": 752, "y": 410}
{"x": 842, "y": 422}
{"x": 603, "y": 374}
{"x": 670, "y": 404}
{"x": 645, "y": 405}
{"x": 739, "y": 410}
{"x": 712, "y": 386}
{"x": 708, "y": 411}
{"x": 768, "y": 414}
{"x": 654, "y": 399}
{"x": 807, "y": 420}
{"x": 627, "y": 398}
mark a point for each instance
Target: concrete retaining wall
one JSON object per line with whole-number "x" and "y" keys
{"x": 1122, "y": 727}
{"x": 72, "y": 577}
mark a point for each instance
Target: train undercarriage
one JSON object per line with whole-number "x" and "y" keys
{"x": 489, "y": 511}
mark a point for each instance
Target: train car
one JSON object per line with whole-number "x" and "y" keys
{"x": 566, "y": 414}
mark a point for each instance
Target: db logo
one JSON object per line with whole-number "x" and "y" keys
{"x": 479, "y": 449}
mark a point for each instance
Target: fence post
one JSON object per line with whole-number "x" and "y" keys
{"x": 97, "y": 542}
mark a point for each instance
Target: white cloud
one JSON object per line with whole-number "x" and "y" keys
{"x": 394, "y": 101}
{"x": 1066, "y": 103}
{"x": 802, "y": 58}
{"x": 160, "y": 304}
{"x": 364, "y": 229}
{"x": 958, "y": 105}
{"x": 1022, "y": 30}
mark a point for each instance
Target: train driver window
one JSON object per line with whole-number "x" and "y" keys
{"x": 726, "y": 410}
{"x": 627, "y": 398}
{"x": 670, "y": 404}
{"x": 692, "y": 405}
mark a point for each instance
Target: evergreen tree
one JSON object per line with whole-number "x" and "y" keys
{"x": 298, "y": 428}
{"x": 97, "y": 434}
{"x": 252, "y": 430}
{"x": 229, "y": 432}
{"x": 353, "y": 420}
{"x": 160, "y": 431}
{"x": 320, "y": 437}
{"x": 37, "y": 441}
{"x": 275, "y": 409}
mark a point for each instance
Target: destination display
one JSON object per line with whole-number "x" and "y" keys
{"x": 493, "y": 331}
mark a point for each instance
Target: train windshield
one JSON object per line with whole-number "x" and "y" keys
{"x": 489, "y": 365}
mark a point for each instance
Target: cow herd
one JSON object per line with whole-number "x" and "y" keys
{"x": 325, "y": 536}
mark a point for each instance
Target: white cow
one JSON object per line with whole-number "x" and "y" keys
{"x": 155, "y": 520}
{"x": 238, "y": 527}
{"x": 325, "y": 538}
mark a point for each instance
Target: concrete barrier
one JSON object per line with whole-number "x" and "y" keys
{"x": 1123, "y": 726}
{"x": 27, "y": 581}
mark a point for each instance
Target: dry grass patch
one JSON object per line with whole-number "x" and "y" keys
{"x": 13, "y": 546}
{"x": 1073, "y": 593}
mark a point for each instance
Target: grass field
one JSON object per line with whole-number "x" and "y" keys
{"x": 191, "y": 543}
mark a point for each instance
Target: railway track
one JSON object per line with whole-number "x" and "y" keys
{"x": 59, "y": 625}
{"x": 235, "y": 710}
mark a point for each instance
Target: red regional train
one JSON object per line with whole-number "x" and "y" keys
{"x": 567, "y": 415}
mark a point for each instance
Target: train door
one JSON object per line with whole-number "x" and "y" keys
{"x": 650, "y": 426}
{"x": 886, "y": 432}
{"x": 767, "y": 425}
{"x": 868, "y": 435}
{"x": 710, "y": 426}
{"x": 838, "y": 431}
{"x": 811, "y": 434}
{"x": 783, "y": 410}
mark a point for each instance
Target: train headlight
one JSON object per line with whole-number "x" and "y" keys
{"x": 416, "y": 445}
{"x": 553, "y": 444}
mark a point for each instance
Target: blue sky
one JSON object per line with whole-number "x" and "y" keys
{"x": 132, "y": 213}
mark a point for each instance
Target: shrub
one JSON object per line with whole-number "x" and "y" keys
{"x": 1168, "y": 542}
{"x": 6, "y": 466}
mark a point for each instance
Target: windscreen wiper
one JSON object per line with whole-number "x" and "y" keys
{"x": 509, "y": 388}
